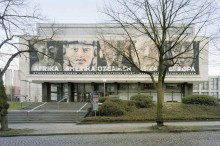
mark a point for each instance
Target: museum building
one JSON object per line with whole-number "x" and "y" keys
{"x": 76, "y": 62}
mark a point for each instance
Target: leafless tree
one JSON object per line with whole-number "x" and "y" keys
{"x": 17, "y": 21}
{"x": 169, "y": 28}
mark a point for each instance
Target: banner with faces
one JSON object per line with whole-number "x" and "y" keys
{"x": 104, "y": 57}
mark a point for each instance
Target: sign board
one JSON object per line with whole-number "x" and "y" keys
{"x": 95, "y": 96}
{"x": 95, "y": 106}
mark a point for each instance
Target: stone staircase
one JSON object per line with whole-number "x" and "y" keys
{"x": 50, "y": 113}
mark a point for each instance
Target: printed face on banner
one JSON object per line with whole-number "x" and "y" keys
{"x": 44, "y": 57}
{"x": 79, "y": 55}
{"x": 185, "y": 59}
{"x": 145, "y": 55}
{"x": 109, "y": 52}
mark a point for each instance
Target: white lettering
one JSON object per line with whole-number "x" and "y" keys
{"x": 184, "y": 69}
{"x": 46, "y": 68}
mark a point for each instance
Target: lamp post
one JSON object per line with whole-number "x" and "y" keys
{"x": 104, "y": 80}
{"x": 29, "y": 91}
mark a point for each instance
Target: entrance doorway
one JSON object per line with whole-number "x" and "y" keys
{"x": 58, "y": 92}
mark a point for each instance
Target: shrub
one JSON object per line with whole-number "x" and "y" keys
{"x": 116, "y": 100}
{"x": 111, "y": 109}
{"x": 129, "y": 106}
{"x": 199, "y": 99}
{"x": 131, "y": 103}
{"x": 142, "y": 101}
{"x": 102, "y": 99}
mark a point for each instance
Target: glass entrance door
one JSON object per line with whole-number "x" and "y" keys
{"x": 56, "y": 92}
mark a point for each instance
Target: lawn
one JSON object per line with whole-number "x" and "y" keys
{"x": 172, "y": 111}
{"x": 18, "y": 105}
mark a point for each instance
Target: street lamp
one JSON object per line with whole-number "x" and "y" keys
{"x": 104, "y": 80}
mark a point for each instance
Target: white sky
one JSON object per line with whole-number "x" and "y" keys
{"x": 88, "y": 11}
{"x": 71, "y": 11}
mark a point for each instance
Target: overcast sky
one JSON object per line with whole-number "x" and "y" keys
{"x": 71, "y": 11}
{"x": 89, "y": 11}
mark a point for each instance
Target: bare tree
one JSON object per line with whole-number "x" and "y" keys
{"x": 169, "y": 29}
{"x": 17, "y": 21}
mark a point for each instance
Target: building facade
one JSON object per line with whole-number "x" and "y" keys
{"x": 80, "y": 62}
{"x": 210, "y": 87}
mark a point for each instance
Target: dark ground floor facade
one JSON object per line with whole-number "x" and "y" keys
{"x": 77, "y": 92}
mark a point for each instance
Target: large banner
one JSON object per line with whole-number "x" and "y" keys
{"x": 99, "y": 57}
{"x": 185, "y": 58}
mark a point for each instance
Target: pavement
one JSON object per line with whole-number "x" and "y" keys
{"x": 33, "y": 129}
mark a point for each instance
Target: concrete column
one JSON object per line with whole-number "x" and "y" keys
{"x": 187, "y": 89}
{"x": 115, "y": 88}
{"x": 46, "y": 97}
{"x": 93, "y": 86}
{"x": 70, "y": 91}
{"x": 60, "y": 92}
{"x": 139, "y": 87}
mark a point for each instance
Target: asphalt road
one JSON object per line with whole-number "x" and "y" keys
{"x": 141, "y": 139}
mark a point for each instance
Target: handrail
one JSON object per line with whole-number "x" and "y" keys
{"x": 26, "y": 100}
{"x": 27, "y": 117}
{"x": 62, "y": 99}
{"x": 66, "y": 97}
{"x": 36, "y": 107}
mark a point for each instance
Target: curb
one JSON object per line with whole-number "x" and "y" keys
{"x": 111, "y": 132}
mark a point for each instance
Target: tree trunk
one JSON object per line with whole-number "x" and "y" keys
{"x": 160, "y": 94}
{"x": 3, "y": 107}
{"x": 160, "y": 99}
{"x": 4, "y": 122}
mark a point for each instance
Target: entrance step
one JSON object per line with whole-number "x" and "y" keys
{"x": 45, "y": 116}
{"x": 56, "y": 106}
{"x": 62, "y": 106}
{"x": 49, "y": 113}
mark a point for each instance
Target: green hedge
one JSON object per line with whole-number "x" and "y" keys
{"x": 110, "y": 108}
{"x": 102, "y": 99}
{"x": 199, "y": 99}
{"x": 142, "y": 101}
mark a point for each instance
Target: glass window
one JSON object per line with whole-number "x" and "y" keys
{"x": 205, "y": 93}
{"x": 133, "y": 87}
{"x": 56, "y": 92}
{"x": 196, "y": 87}
{"x": 110, "y": 88}
{"x": 149, "y": 86}
{"x": 172, "y": 87}
{"x": 101, "y": 87}
{"x": 53, "y": 96}
{"x": 88, "y": 88}
{"x": 123, "y": 86}
{"x": 215, "y": 94}
{"x": 205, "y": 86}
{"x": 53, "y": 87}
{"x": 214, "y": 83}
{"x": 65, "y": 90}
{"x": 195, "y": 93}
{"x": 80, "y": 87}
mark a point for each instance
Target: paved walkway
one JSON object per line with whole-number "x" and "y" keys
{"x": 72, "y": 128}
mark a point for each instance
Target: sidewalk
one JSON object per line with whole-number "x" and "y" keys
{"x": 72, "y": 128}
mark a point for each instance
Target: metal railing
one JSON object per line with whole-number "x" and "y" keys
{"x": 58, "y": 102}
{"x": 24, "y": 101}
